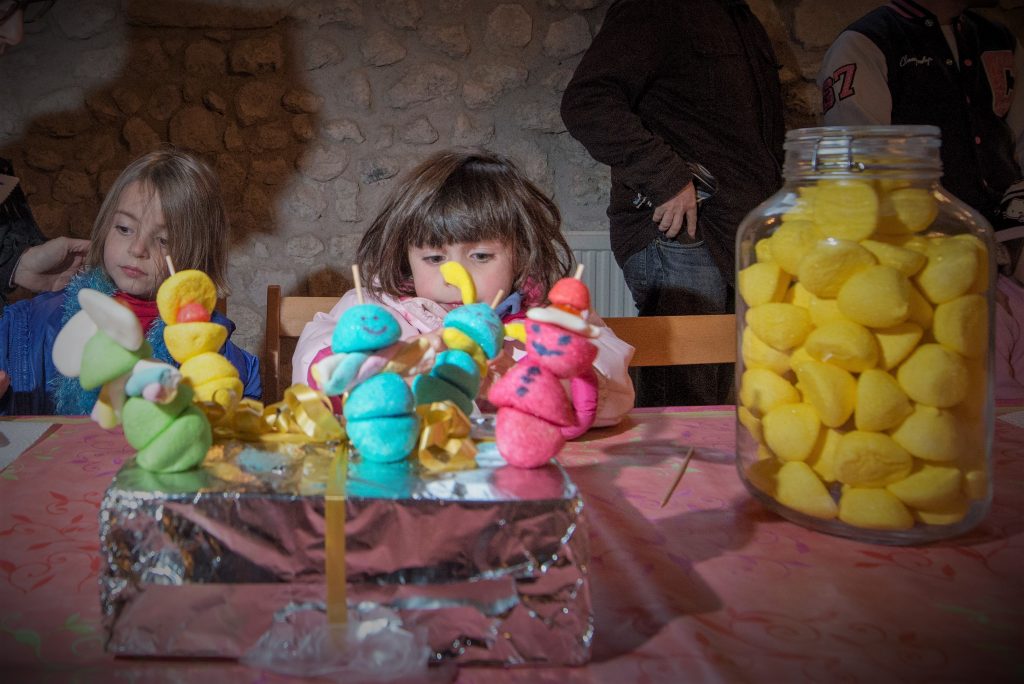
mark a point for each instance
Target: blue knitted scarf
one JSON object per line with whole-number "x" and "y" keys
{"x": 68, "y": 396}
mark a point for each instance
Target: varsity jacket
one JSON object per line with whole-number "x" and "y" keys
{"x": 898, "y": 65}
{"x": 28, "y": 329}
{"x": 670, "y": 82}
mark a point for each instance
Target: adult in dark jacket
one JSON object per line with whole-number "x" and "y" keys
{"x": 666, "y": 85}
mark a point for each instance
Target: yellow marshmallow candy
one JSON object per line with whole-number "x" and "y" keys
{"x": 826, "y": 267}
{"x": 947, "y": 515}
{"x": 907, "y": 210}
{"x": 763, "y": 474}
{"x": 875, "y": 509}
{"x": 921, "y": 311}
{"x": 831, "y": 390}
{"x": 980, "y": 284}
{"x": 951, "y": 269}
{"x": 761, "y": 283}
{"x": 846, "y": 209}
{"x": 881, "y": 404}
{"x": 751, "y": 422}
{"x": 803, "y": 205}
{"x": 824, "y": 311}
{"x": 797, "y": 487}
{"x": 976, "y": 484}
{"x": 182, "y": 288}
{"x": 870, "y": 459}
{"x": 761, "y": 391}
{"x": 906, "y": 261}
{"x": 763, "y": 250}
{"x": 962, "y": 325}
{"x": 207, "y": 366}
{"x": 185, "y": 340}
{"x": 791, "y": 431}
{"x": 932, "y": 488}
{"x": 934, "y": 375}
{"x": 798, "y": 295}
{"x": 791, "y": 242}
{"x": 782, "y": 326}
{"x": 878, "y": 297}
{"x": 823, "y": 458}
{"x": 930, "y": 434}
{"x": 758, "y": 354}
{"x": 895, "y": 343}
{"x": 224, "y": 391}
{"x": 845, "y": 344}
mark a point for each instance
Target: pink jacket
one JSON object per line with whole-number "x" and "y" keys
{"x": 1009, "y": 340}
{"x": 417, "y": 316}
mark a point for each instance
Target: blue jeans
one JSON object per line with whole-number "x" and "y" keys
{"x": 669, "y": 278}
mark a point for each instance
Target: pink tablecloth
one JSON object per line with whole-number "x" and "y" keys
{"x": 711, "y": 587}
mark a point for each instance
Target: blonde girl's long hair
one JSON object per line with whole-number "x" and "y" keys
{"x": 194, "y": 213}
{"x": 465, "y": 196}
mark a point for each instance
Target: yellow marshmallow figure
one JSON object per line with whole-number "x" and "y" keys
{"x": 185, "y": 302}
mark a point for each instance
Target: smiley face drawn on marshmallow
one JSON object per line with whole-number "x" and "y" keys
{"x": 365, "y": 328}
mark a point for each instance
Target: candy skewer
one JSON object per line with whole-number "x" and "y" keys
{"x": 579, "y": 272}
{"x": 497, "y": 298}
{"x": 170, "y": 264}
{"x": 678, "y": 477}
{"x": 359, "y": 285}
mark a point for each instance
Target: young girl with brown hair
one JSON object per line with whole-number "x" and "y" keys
{"x": 477, "y": 208}
{"x": 165, "y": 203}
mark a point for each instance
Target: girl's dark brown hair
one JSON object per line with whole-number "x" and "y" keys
{"x": 194, "y": 213}
{"x": 464, "y": 196}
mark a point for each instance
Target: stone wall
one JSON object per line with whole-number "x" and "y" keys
{"x": 309, "y": 109}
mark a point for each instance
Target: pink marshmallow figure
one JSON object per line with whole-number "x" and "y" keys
{"x": 535, "y": 416}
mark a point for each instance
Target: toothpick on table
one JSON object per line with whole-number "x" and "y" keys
{"x": 579, "y": 272}
{"x": 359, "y": 285}
{"x": 170, "y": 264}
{"x": 497, "y": 299}
{"x": 678, "y": 478}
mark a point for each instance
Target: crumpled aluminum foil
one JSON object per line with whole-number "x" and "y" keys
{"x": 492, "y": 562}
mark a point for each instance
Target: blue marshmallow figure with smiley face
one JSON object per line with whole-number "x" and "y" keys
{"x": 361, "y": 331}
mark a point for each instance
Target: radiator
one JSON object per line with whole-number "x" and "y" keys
{"x": 609, "y": 295}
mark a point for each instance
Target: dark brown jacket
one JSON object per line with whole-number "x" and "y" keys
{"x": 671, "y": 81}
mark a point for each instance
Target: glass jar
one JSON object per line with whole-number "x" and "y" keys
{"x": 864, "y": 306}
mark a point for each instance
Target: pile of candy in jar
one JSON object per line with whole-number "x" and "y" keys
{"x": 864, "y": 354}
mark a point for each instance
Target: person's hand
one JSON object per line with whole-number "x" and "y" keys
{"x": 679, "y": 211}
{"x": 5, "y": 382}
{"x": 51, "y": 265}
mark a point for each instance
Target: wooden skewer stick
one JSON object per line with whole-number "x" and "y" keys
{"x": 359, "y": 285}
{"x": 497, "y": 298}
{"x": 678, "y": 478}
{"x": 170, "y": 264}
{"x": 579, "y": 272}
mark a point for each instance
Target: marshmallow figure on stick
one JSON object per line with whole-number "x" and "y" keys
{"x": 380, "y": 413}
{"x": 536, "y": 415}
{"x": 185, "y": 302}
{"x": 103, "y": 345}
{"x": 473, "y": 334}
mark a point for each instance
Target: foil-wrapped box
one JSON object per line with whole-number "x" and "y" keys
{"x": 492, "y": 562}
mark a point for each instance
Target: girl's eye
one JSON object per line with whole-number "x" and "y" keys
{"x": 163, "y": 242}
{"x": 434, "y": 259}
{"x": 123, "y": 230}
{"x": 482, "y": 257}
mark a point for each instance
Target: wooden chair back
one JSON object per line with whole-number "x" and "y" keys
{"x": 659, "y": 340}
{"x": 286, "y": 317}
{"x": 678, "y": 340}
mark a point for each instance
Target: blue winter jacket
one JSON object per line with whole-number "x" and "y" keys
{"x": 28, "y": 329}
